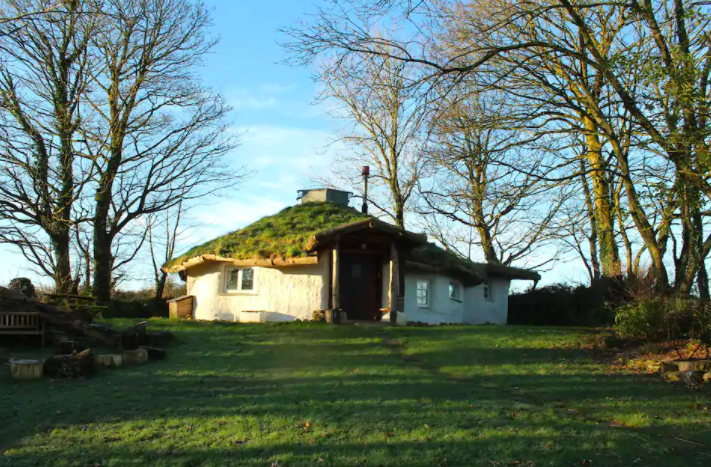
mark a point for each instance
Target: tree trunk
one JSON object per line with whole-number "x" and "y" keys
{"x": 103, "y": 264}
{"x": 593, "y": 239}
{"x": 604, "y": 218}
{"x": 160, "y": 285}
{"x": 62, "y": 270}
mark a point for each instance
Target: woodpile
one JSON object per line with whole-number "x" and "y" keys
{"x": 66, "y": 325}
{"x": 76, "y": 365}
{"x": 74, "y": 334}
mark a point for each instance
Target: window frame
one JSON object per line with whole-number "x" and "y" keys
{"x": 486, "y": 291}
{"x": 239, "y": 290}
{"x": 457, "y": 297}
{"x": 428, "y": 289}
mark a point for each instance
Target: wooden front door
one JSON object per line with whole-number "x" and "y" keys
{"x": 360, "y": 288}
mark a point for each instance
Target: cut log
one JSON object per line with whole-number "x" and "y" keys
{"x": 26, "y": 369}
{"x": 67, "y": 347}
{"x": 135, "y": 356}
{"x": 76, "y": 365}
{"x": 109, "y": 360}
{"x": 133, "y": 337}
{"x": 154, "y": 353}
{"x": 159, "y": 338}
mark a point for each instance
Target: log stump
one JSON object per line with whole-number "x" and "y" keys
{"x": 26, "y": 369}
{"x": 136, "y": 356}
{"x": 154, "y": 353}
{"x": 109, "y": 360}
{"x": 76, "y": 365}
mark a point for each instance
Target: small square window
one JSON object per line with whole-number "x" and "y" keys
{"x": 454, "y": 291}
{"x": 487, "y": 291}
{"x": 423, "y": 293}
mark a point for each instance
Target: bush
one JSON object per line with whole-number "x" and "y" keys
{"x": 24, "y": 286}
{"x": 150, "y": 308}
{"x": 657, "y": 318}
{"x": 560, "y": 305}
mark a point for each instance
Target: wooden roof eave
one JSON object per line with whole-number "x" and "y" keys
{"x": 468, "y": 276}
{"x": 326, "y": 237}
{"x": 264, "y": 263}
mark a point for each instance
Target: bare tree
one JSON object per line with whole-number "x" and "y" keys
{"x": 43, "y": 78}
{"x": 159, "y": 136}
{"x": 474, "y": 152}
{"x": 163, "y": 233}
{"x": 384, "y": 112}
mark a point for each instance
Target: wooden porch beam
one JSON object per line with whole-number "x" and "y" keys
{"x": 335, "y": 277}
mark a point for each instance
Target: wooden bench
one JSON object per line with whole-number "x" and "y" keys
{"x": 21, "y": 323}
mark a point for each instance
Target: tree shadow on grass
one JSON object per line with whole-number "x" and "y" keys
{"x": 252, "y": 396}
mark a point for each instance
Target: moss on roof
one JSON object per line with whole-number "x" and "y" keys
{"x": 436, "y": 256}
{"x": 283, "y": 235}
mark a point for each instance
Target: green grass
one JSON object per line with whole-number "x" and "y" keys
{"x": 284, "y": 234}
{"x": 314, "y": 394}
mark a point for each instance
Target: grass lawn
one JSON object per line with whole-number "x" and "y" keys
{"x": 314, "y": 394}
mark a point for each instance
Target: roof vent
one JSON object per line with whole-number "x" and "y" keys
{"x": 321, "y": 195}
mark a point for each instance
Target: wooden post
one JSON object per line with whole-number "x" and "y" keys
{"x": 335, "y": 278}
{"x": 394, "y": 283}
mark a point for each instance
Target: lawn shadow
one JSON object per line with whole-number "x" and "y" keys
{"x": 251, "y": 395}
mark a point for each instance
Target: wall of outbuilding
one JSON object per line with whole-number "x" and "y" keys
{"x": 441, "y": 308}
{"x": 285, "y": 294}
{"x": 472, "y": 309}
{"x": 495, "y": 310}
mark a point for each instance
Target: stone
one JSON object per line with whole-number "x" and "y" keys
{"x": 135, "y": 356}
{"x": 707, "y": 377}
{"x": 672, "y": 376}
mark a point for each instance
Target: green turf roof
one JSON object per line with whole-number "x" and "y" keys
{"x": 437, "y": 256}
{"x": 283, "y": 235}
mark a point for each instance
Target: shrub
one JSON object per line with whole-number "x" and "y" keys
{"x": 24, "y": 286}
{"x": 701, "y": 326}
{"x": 560, "y": 305}
{"x": 149, "y": 308}
{"x": 656, "y": 318}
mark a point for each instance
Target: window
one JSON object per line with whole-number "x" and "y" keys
{"x": 487, "y": 292}
{"x": 247, "y": 282}
{"x": 423, "y": 294}
{"x": 454, "y": 291}
{"x": 239, "y": 279}
{"x": 232, "y": 276}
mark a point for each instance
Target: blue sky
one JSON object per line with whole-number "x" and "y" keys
{"x": 284, "y": 135}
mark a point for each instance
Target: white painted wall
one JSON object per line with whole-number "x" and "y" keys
{"x": 472, "y": 309}
{"x": 295, "y": 292}
{"x": 494, "y": 311}
{"x": 285, "y": 294}
{"x": 441, "y": 309}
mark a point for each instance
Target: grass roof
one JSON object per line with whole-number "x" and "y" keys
{"x": 436, "y": 256}
{"x": 283, "y": 235}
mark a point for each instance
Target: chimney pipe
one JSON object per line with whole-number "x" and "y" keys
{"x": 365, "y": 171}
